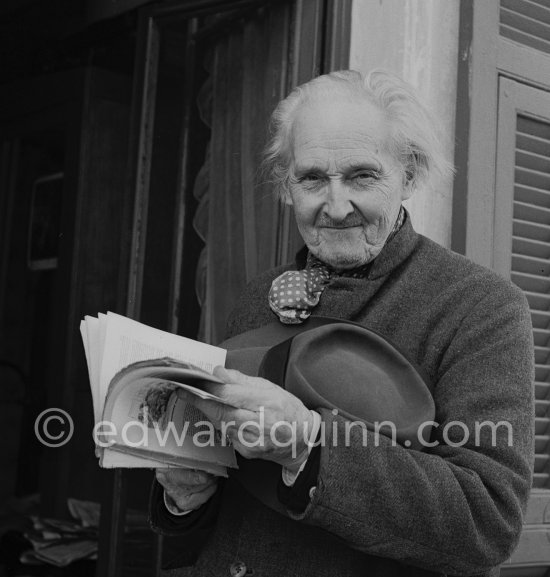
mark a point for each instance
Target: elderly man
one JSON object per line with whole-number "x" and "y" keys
{"x": 346, "y": 152}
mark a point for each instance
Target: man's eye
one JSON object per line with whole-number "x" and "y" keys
{"x": 365, "y": 177}
{"x": 312, "y": 177}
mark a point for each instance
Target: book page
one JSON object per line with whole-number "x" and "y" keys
{"x": 92, "y": 332}
{"x": 166, "y": 370}
{"x": 102, "y": 331}
{"x": 92, "y": 339}
{"x": 110, "y": 343}
{"x": 150, "y": 416}
{"x": 127, "y": 341}
{"x": 84, "y": 335}
{"x": 115, "y": 459}
{"x": 124, "y": 457}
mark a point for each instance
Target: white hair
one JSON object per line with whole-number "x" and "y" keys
{"x": 414, "y": 140}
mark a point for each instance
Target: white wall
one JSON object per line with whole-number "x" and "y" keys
{"x": 417, "y": 39}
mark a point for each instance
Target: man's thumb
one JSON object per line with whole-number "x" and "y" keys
{"x": 222, "y": 373}
{"x": 230, "y": 376}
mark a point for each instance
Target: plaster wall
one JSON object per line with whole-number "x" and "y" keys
{"x": 417, "y": 39}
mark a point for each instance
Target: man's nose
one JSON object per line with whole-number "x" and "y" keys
{"x": 337, "y": 203}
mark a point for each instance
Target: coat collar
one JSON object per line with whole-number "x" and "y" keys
{"x": 396, "y": 251}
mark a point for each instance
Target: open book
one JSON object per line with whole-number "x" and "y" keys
{"x": 140, "y": 421}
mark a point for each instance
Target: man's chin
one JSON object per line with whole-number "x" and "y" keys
{"x": 345, "y": 260}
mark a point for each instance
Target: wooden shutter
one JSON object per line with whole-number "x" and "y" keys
{"x": 522, "y": 252}
{"x": 526, "y": 22}
{"x": 531, "y": 265}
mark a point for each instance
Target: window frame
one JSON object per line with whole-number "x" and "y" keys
{"x": 331, "y": 53}
{"x": 484, "y": 56}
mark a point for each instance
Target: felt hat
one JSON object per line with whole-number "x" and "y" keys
{"x": 333, "y": 364}
{"x": 339, "y": 365}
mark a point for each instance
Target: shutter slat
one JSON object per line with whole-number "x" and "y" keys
{"x": 541, "y": 407}
{"x": 515, "y": 17}
{"x": 531, "y": 283}
{"x": 540, "y": 320}
{"x": 542, "y": 390}
{"x": 532, "y": 265}
{"x": 527, "y": 195}
{"x": 530, "y": 248}
{"x": 541, "y": 462}
{"x": 525, "y": 38}
{"x": 543, "y": 3}
{"x": 542, "y": 373}
{"x": 533, "y": 178}
{"x": 540, "y": 480}
{"x": 541, "y": 445}
{"x": 542, "y": 452}
{"x": 533, "y": 231}
{"x": 542, "y": 355}
{"x": 532, "y": 143}
{"x": 533, "y": 160}
{"x": 533, "y": 127}
{"x": 542, "y": 426}
{"x": 531, "y": 212}
{"x": 540, "y": 306}
{"x": 526, "y": 22}
{"x": 530, "y": 8}
{"x": 541, "y": 337}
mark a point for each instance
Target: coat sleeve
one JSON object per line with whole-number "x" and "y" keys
{"x": 454, "y": 507}
{"x": 192, "y": 529}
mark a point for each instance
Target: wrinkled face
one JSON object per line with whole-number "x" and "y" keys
{"x": 346, "y": 187}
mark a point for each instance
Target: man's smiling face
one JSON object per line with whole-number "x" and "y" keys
{"x": 346, "y": 186}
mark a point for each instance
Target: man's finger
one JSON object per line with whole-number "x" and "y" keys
{"x": 221, "y": 391}
{"x": 222, "y": 373}
{"x": 184, "y": 476}
{"x": 194, "y": 500}
{"x": 233, "y": 396}
{"x": 235, "y": 377}
{"x": 214, "y": 411}
{"x": 191, "y": 489}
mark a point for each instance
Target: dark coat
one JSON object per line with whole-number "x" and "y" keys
{"x": 386, "y": 510}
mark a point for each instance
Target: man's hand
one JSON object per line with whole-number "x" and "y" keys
{"x": 188, "y": 489}
{"x": 262, "y": 420}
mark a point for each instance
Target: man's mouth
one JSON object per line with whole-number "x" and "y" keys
{"x": 342, "y": 227}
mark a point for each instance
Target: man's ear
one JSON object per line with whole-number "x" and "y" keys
{"x": 286, "y": 198}
{"x": 409, "y": 187}
{"x": 416, "y": 167}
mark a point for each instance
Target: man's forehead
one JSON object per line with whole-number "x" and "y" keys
{"x": 345, "y": 141}
{"x": 332, "y": 157}
{"x": 343, "y": 126}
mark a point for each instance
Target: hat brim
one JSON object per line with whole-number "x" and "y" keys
{"x": 363, "y": 375}
{"x": 391, "y": 387}
{"x": 356, "y": 373}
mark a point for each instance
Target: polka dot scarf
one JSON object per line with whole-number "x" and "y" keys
{"x": 295, "y": 293}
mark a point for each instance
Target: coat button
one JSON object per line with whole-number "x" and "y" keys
{"x": 237, "y": 569}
